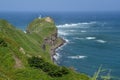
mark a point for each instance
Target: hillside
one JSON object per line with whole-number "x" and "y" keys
{"x": 28, "y": 55}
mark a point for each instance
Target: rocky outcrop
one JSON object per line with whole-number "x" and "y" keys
{"x": 48, "y": 19}
{"x": 46, "y": 28}
{"x": 22, "y": 50}
{"x": 54, "y": 42}
{"x": 51, "y": 40}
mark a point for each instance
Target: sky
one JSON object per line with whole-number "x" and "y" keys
{"x": 59, "y": 5}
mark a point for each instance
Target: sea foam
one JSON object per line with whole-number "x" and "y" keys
{"x": 71, "y": 25}
{"x": 79, "y": 38}
{"x": 56, "y": 56}
{"x": 72, "y": 30}
{"x": 62, "y": 33}
{"x": 89, "y": 38}
{"x": 101, "y": 41}
{"x": 77, "y": 57}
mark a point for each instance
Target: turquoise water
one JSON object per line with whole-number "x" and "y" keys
{"x": 92, "y": 39}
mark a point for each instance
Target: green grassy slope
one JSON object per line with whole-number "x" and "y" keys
{"x": 16, "y": 47}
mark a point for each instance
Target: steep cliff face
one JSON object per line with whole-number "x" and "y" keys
{"x": 46, "y": 28}
{"x": 51, "y": 40}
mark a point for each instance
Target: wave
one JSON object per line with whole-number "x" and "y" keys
{"x": 68, "y": 25}
{"x": 101, "y": 41}
{"x": 76, "y": 24}
{"x": 77, "y": 57}
{"x": 79, "y": 38}
{"x": 83, "y": 31}
{"x": 72, "y": 30}
{"x": 66, "y": 32}
{"x": 62, "y": 33}
{"x": 89, "y": 38}
{"x": 66, "y": 42}
{"x": 56, "y": 56}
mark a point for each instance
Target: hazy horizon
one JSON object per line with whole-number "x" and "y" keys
{"x": 60, "y": 6}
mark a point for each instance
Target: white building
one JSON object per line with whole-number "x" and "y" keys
{"x": 40, "y": 17}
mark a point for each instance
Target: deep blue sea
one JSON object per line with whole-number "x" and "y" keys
{"x": 92, "y": 39}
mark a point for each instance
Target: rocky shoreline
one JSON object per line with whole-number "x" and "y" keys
{"x": 53, "y": 49}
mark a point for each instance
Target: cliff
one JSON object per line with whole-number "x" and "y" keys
{"x": 27, "y": 55}
{"x": 46, "y": 28}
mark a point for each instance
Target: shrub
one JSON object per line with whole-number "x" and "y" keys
{"x": 64, "y": 70}
{"x": 55, "y": 73}
{"x": 50, "y": 69}
{"x": 35, "y": 62}
{"x": 3, "y": 43}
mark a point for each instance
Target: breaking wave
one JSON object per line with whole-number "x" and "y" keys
{"x": 56, "y": 56}
{"x": 89, "y": 38}
{"x": 77, "y": 57}
{"x": 76, "y": 25}
{"x": 101, "y": 41}
{"x": 79, "y": 38}
{"x": 62, "y": 33}
{"x": 72, "y": 30}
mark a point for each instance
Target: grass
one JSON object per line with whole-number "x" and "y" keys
{"x": 99, "y": 76}
{"x": 31, "y": 44}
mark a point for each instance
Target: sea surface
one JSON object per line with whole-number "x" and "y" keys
{"x": 92, "y": 39}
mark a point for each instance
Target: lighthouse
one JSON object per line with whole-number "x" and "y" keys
{"x": 40, "y": 17}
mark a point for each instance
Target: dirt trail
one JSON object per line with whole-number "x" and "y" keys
{"x": 18, "y": 62}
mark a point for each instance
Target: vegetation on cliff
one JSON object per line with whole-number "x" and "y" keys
{"x": 51, "y": 69}
{"x": 27, "y": 56}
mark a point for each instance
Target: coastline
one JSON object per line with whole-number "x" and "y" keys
{"x": 55, "y": 47}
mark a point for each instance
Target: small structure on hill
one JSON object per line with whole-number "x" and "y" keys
{"x": 39, "y": 17}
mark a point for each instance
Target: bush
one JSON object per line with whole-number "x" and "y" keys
{"x": 64, "y": 70}
{"x": 3, "y": 43}
{"x": 55, "y": 73}
{"x": 35, "y": 62}
{"x": 50, "y": 69}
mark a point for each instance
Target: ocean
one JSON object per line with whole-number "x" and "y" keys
{"x": 92, "y": 39}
